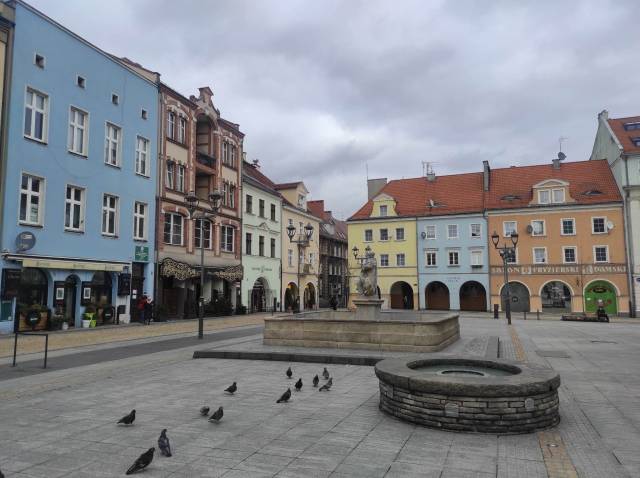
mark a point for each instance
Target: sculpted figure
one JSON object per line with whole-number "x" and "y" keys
{"x": 368, "y": 280}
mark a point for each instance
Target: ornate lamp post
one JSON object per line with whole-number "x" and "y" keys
{"x": 304, "y": 236}
{"x": 213, "y": 203}
{"x": 506, "y": 251}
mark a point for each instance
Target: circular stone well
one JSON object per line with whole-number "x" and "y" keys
{"x": 470, "y": 394}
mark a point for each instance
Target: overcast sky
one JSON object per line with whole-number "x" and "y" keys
{"x": 325, "y": 89}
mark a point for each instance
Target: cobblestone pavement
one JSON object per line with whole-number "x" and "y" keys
{"x": 102, "y": 335}
{"x": 62, "y": 423}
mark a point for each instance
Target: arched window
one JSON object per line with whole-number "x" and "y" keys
{"x": 33, "y": 288}
{"x": 101, "y": 288}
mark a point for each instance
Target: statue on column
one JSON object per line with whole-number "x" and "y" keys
{"x": 368, "y": 281}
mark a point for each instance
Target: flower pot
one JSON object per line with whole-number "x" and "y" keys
{"x": 65, "y": 326}
{"x": 86, "y": 324}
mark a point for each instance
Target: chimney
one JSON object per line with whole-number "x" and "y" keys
{"x": 256, "y": 163}
{"x": 374, "y": 186}
{"x": 486, "y": 175}
{"x": 603, "y": 115}
{"x": 556, "y": 161}
{"x": 431, "y": 176}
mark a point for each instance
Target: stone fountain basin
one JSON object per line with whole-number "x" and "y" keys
{"x": 517, "y": 398}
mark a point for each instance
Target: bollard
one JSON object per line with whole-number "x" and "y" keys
{"x": 495, "y": 311}
{"x": 525, "y": 315}
{"x": 538, "y": 313}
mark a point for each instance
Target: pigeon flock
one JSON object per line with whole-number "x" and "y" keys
{"x": 164, "y": 446}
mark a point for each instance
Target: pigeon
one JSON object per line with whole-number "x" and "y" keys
{"x": 204, "y": 411}
{"x": 142, "y": 462}
{"x": 299, "y": 385}
{"x": 128, "y": 419}
{"x": 325, "y": 374}
{"x": 163, "y": 443}
{"x": 327, "y": 385}
{"x": 1, "y": 474}
{"x": 285, "y": 396}
{"x": 232, "y": 388}
{"x": 316, "y": 380}
{"x": 217, "y": 415}
{"x": 289, "y": 372}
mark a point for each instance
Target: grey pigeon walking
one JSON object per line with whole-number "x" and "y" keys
{"x": 299, "y": 385}
{"x": 289, "y": 373}
{"x": 327, "y": 385}
{"x": 316, "y": 380}
{"x": 1, "y": 474}
{"x": 204, "y": 411}
{"x": 217, "y": 415}
{"x": 142, "y": 462}
{"x": 128, "y": 419}
{"x": 325, "y": 374}
{"x": 285, "y": 396}
{"x": 232, "y": 388}
{"x": 163, "y": 443}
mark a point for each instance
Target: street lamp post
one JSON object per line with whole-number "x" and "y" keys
{"x": 506, "y": 251}
{"x": 304, "y": 236}
{"x": 213, "y": 202}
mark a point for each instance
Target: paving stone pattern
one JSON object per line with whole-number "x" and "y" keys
{"x": 68, "y": 427}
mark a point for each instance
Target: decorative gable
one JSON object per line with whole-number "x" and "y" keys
{"x": 550, "y": 191}
{"x": 383, "y": 206}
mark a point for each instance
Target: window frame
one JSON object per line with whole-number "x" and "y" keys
{"x": 41, "y": 197}
{"x": 386, "y": 232}
{"x": 573, "y": 222}
{"x": 386, "y": 210}
{"x": 533, "y": 228}
{"x": 515, "y": 257}
{"x": 595, "y": 256}
{"x": 403, "y": 236}
{"x": 72, "y": 202}
{"x": 272, "y": 248}
{"x": 428, "y": 252}
{"x": 261, "y": 208}
{"x": 248, "y": 203}
{"x": 473, "y": 253}
{"x": 261, "y": 246}
{"x": 34, "y": 110}
{"x": 553, "y": 195}
{"x": 196, "y": 234}
{"x": 223, "y": 236}
{"x": 170, "y": 130}
{"x": 290, "y": 257}
{"x": 273, "y": 213}
{"x": 72, "y": 126}
{"x": 386, "y": 258}
{"x": 404, "y": 260}
{"x": 504, "y": 228}
{"x": 479, "y": 236}
{"x": 546, "y": 191}
{"x": 147, "y": 155}
{"x": 457, "y": 257}
{"x": 575, "y": 254}
{"x": 137, "y": 217}
{"x": 109, "y": 141}
{"x": 116, "y": 215}
{"x": 180, "y": 175}
{"x": 435, "y": 232}
{"x": 449, "y": 236}
{"x": 182, "y": 130}
{"x": 172, "y": 223}
{"x": 170, "y": 175}
{"x": 365, "y": 235}
{"x": 604, "y": 224}
{"x": 533, "y": 255}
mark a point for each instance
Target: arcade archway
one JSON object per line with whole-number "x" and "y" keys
{"x": 437, "y": 296}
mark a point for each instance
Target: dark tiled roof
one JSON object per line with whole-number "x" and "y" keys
{"x": 256, "y": 175}
{"x": 288, "y": 185}
{"x": 626, "y": 137}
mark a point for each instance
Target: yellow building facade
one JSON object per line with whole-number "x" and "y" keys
{"x": 393, "y": 240}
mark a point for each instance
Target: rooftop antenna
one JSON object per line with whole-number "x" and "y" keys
{"x": 366, "y": 166}
{"x": 427, "y": 168}
{"x": 560, "y": 140}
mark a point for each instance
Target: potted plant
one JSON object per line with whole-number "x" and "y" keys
{"x": 33, "y": 316}
{"x": 56, "y": 322}
{"x": 88, "y": 318}
{"x": 65, "y": 323}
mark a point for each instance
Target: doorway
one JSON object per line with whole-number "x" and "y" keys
{"x": 437, "y": 295}
{"x": 70, "y": 297}
{"x": 473, "y": 296}
{"x": 401, "y": 296}
{"x": 519, "y": 297}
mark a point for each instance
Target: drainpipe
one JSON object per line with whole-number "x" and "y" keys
{"x": 627, "y": 241}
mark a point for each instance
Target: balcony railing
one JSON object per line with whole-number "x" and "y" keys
{"x": 206, "y": 160}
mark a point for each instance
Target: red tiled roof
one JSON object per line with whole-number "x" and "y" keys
{"x": 582, "y": 176}
{"x": 451, "y": 194}
{"x": 288, "y": 185}
{"x": 626, "y": 137}
{"x": 255, "y": 173}
{"x": 317, "y": 208}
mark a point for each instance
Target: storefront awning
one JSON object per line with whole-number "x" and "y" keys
{"x": 232, "y": 273}
{"x": 73, "y": 265}
{"x": 180, "y": 270}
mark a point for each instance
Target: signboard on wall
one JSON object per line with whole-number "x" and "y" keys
{"x": 10, "y": 283}
{"x": 141, "y": 254}
{"x": 545, "y": 269}
{"x": 58, "y": 290}
{"x": 85, "y": 298}
{"x": 124, "y": 284}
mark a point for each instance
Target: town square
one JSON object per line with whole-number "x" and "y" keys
{"x": 335, "y": 239}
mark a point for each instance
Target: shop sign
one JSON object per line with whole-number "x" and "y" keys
{"x": 124, "y": 283}
{"x": 25, "y": 241}
{"x": 141, "y": 254}
{"x": 58, "y": 287}
{"x": 551, "y": 269}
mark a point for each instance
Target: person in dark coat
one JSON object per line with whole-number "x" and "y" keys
{"x": 148, "y": 311}
{"x": 333, "y": 302}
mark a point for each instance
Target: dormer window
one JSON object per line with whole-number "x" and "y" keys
{"x": 301, "y": 200}
{"x": 544, "y": 196}
{"x": 636, "y": 141}
{"x": 558, "y": 195}
{"x": 632, "y": 126}
{"x": 551, "y": 196}
{"x": 383, "y": 211}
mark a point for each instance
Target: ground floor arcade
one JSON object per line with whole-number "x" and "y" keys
{"x": 454, "y": 292}
{"x": 299, "y": 293}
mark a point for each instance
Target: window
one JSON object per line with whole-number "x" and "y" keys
{"x": 431, "y": 258}
{"x": 568, "y": 227}
{"x": 115, "y": 99}
{"x": 182, "y": 130}
{"x": 180, "y": 177}
{"x": 171, "y": 125}
{"x": 247, "y": 243}
{"x": 431, "y": 232}
{"x": 39, "y": 60}
{"x": 78, "y": 120}
{"x": 142, "y": 156}
{"x": 173, "y": 229}
{"x": 384, "y": 234}
{"x": 112, "y": 145}
{"x": 273, "y": 212}
{"x": 512, "y": 256}
{"x": 601, "y": 254}
{"x": 558, "y": 195}
{"x": 537, "y": 228}
{"x": 35, "y": 115}
{"x": 301, "y": 200}
{"x": 171, "y": 175}
{"x": 400, "y": 234}
{"x": 400, "y": 260}
{"x": 225, "y": 193}
{"x": 31, "y": 200}
{"x": 227, "y": 238}
{"x": 631, "y": 126}
{"x": 273, "y": 247}
{"x": 109, "y": 215}
{"x": 261, "y": 246}
{"x": 384, "y": 260}
{"x": 539, "y": 255}
{"x": 368, "y": 235}
{"x": 80, "y": 81}
{"x": 144, "y": 114}
{"x": 290, "y": 258}
{"x": 140, "y": 221}
{"x": 636, "y": 141}
{"x": 452, "y": 231}
{"x": 74, "y": 209}
{"x": 544, "y": 196}
{"x": 261, "y": 207}
{"x": 476, "y": 258}
{"x": 598, "y": 225}
{"x": 232, "y": 196}
{"x": 312, "y": 257}
{"x": 509, "y": 227}
{"x": 569, "y": 255}
{"x": 301, "y": 257}
{"x": 248, "y": 207}
{"x": 383, "y": 211}
{"x": 476, "y": 231}
{"x": 206, "y": 232}
{"x": 454, "y": 258}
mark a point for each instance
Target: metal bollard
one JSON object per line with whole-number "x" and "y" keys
{"x": 538, "y": 313}
{"x": 200, "y": 327}
{"x": 525, "y": 315}
{"x": 495, "y": 311}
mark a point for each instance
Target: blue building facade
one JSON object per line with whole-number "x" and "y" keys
{"x": 453, "y": 265}
{"x": 80, "y": 179}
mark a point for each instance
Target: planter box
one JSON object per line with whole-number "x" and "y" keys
{"x": 24, "y": 326}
